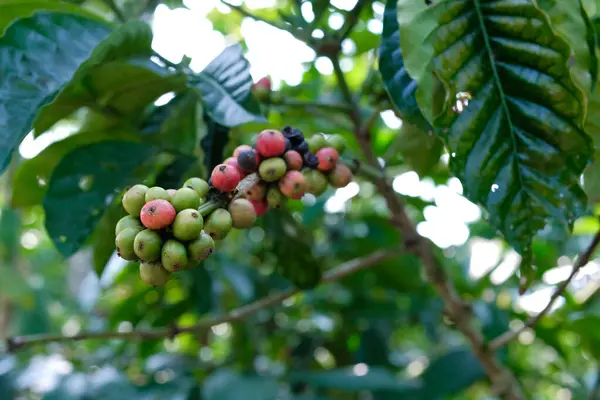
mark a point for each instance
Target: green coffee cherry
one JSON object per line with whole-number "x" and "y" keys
{"x": 153, "y": 273}
{"x": 173, "y": 256}
{"x": 188, "y": 224}
{"x": 272, "y": 169}
{"x": 199, "y": 185}
{"x": 316, "y": 142}
{"x": 134, "y": 199}
{"x": 124, "y": 244}
{"x": 157, "y": 193}
{"x": 147, "y": 245}
{"x": 218, "y": 224}
{"x": 185, "y": 198}
{"x": 242, "y": 212}
{"x": 316, "y": 182}
{"x": 128, "y": 221}
{"x": 201, "y": 248}
{"x": 274, "y": 197}
{"x": 338, "y": 142}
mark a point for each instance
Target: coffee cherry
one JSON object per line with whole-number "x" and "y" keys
{"x": 124, "y": 244}
{"x": 293, "y": 185}
{"x": 338, "y": 142}
{"x": 316, "y": 182}
{"x": 134, "y": 199}
{"x": 225, "y": 178}
{"x": 147, "y": 245}
{"x": 218, "y": 224}
{"x": 270, "y": 143}
{"x": 248, "y": 160}
{"x": 157, "y": 193}
{"x": 128, "y": 221}
{"x": 201, "y": 248}
{"x": 262, "y": 88}
{"x": 302, "y": 148}
{"x": 328, "y": 158}
{"x": 241, "y": 148}
{"x": 310, "y": 160}
{"x": 243, "y": 215}
{"x": 173, "y": 256}
{"x": 260, "y": 206}
{"x": 257, "y": 192}
{"x": 185, "y": 198}
{"x": 272, "y": 169}
{"x": 233, "y": 161}
{"x": 171, "y": 192}
{"x": 340, "y": 176}
{"x": 293, "y": 160}
{"x": 188, "y": 224}
{"x": 294, "y": 135}
{"x": 153, "y": 273}
{"x": 274, "y": 197}
{"x": 199, "y": 185}
{"x": 157, "y": 214}
{"x": 288, "y": 145}
{"x": 316, "y": 142}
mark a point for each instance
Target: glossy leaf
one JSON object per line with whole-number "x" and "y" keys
{"x": 399, "y": 85}
{"x": 229, "y": 385}
{"x": 213, "y": 144}
{"x": 518, "y": 145}
{"x": 420, "y": 150}
{"x": 225, "y": 86}
{"x": 80, "y": 190}
{"x": 451, "y": 373}
{"x": 592, "y": 127}
{"x": 36, "y": 63}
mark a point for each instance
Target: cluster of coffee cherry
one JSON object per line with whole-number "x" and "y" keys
{"x": 169, "y": 230}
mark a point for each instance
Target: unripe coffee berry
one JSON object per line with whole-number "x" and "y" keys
{"x": 201, "y": 248}
{"x": 185, "y": 198}
{"x": 157, "y": 214}
{"x": 128, "y": 221}
{"x": 328, "y": 158}
{"x": 173, "y": 256}
{"x": 248, "y": 160}
{"x": 157, "y": 193}
{"x": 197, "y": 184}
{"x": 316, "y": 182}
{"x": 241, "y": 148}
{"x": 153, "y": 273}
{"x": 337, "y": 142}
{"x": 260, "y": 206}
{"x": 293, "y": 185}
{"x": 293, "y": 160}
{"x": 147, "y": 245}
{"x": 340, "y": 176}
{"x": 171, "y": 192}
{"x": 134, "y": 199}
{"x": 316, "y": 142}
{"x": 124, "y": 244}
{"x": 243, "y": 215}
{"x": 274, "y": 197}
{"x": 225, "y": 178}
{"x": 272, "y": 169}
{"x": 218, "y": 224}
{"x": 270, "y": 143}
{"x": 188, "y": 224}
{"x": 257, "y": 192}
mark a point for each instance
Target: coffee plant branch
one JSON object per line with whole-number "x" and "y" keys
{"x": 582, "y": 261}
{"x": 341, "y": 271}
{"x": 503, "y": 381}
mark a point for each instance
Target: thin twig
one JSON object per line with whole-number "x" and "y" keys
{"x": 235, "y": 315}
{"x": 582, "y": 261}
{"x": 503, "y": 381}
{"x": 351, "y": 19}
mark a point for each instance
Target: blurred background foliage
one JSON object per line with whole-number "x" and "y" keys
{"x": 378, "y": 334}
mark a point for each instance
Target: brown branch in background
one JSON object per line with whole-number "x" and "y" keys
{"x": 582, "y": 261}
{"x": 235, "y": 315}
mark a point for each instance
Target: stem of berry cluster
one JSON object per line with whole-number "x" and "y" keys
{"x": 243, "y": 187}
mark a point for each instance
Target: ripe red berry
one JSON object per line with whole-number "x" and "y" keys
{"x": 270, "y": 143}
{"x": 225, "y": 177}
{"x": 340, "y": 176}
{"x": 241, "y": 148}
{"x": 257, "y": 192}
{"x": 328, "y": 158}
{"x": 233, "y": 161}
{"x": 293, "y": 160}
{"x": 293, "y": 185}
{"x": 248, "y": 160}
{"x": 264, "y": 82}
{"x": 260, "y": 206}
{"x": 157, "y": 214}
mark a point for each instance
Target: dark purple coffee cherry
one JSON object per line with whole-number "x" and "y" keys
{"x": 302, "y": 148}
{"x": 310, "y": 160}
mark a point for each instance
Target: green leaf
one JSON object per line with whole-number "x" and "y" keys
{"x": 419, "y": 149}
{"x": 39, "y": 55}
{"x": 451, "y": 373}
{"x": 399, "y": 85}
{"x": 518, "y": 146}
{"x": 213, "y": 143}
{"x": 11, "y": 10}
{"x": 118, "y": 79}
{"x": 225, "y": 86}
{"x": 292, "y": 245}
{"x": 229, "y": 385}
{"x": 592, "y": 127}
{"x": 103, "y": 241}
{"x": 30, "y": 182}
{"x": 374, "y": 379}
{"x": 82, "y": 185}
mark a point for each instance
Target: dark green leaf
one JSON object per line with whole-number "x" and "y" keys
{"x": 228, "y": 385}
{"x": 39, "y": 55}
{"x": 213, "y": 143}
{"x": 373, "y": 348}
{"x": 200, "y": 288}
{"x": 80, "y": 190}
{"x": 104, "y": 236}
{"x": 451, "y": 373}
{"x": 225, "y": 86}
{"x": 291, "y": 244}
{"x": 518, "y": 146}
{"x": 347, "y": 379}
{"x": 399, "y": 85}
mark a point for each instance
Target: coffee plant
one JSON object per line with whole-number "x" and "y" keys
{"x": 404, "y": 207}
